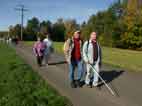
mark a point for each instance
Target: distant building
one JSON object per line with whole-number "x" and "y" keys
{"x": 3, "y": 34}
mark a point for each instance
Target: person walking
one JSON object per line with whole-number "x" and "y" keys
{"x": 38, "y": 49}
{"x": 48, "y": 50}
{"x": 73, "y": 55}
{"x": 92, "y": 56}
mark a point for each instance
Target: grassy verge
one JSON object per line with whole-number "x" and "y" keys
{"x": 127, "y": 59}
{"x": 21, "y": 86}
{"x": 29, "y": 43}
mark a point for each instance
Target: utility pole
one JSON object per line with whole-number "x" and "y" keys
{"x": 22, "y": 9}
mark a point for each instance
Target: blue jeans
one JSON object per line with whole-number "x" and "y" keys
{"x": 72, "y": 66}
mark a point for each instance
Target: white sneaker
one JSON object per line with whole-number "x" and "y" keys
{"x": 46, "y": 65}
{"x": 95, "y": 84}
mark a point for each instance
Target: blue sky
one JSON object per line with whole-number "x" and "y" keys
{"x": 50, "y": 10}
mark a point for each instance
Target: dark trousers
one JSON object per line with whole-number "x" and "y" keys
{"x": 39, "y": 60}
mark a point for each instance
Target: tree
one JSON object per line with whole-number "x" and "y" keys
{"x": 45, "y": 27}
{"x": 131, "y": 14}
{"x": 86, "y": 30}
{"x": 15, "y": 31}
{"x": 33, "y": 24}
{"x": 71, "y": 26}
{"x": 33, "y": 27}
{"x": 132, "y": 38}
{"x": 58, "y": 31}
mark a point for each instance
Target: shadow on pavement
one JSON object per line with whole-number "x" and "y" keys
{"x": 109, "y": 76}
{"x": 57, "y": 63}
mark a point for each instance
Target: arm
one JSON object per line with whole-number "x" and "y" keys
{"x": 66, "y": 50}
{"x": 85, "y": 57}
{"x": 34, "y": 49}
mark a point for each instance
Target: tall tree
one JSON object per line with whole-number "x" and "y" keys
{"x": 58, "y": 31}
{"x": 15, "y": 31}
{"x": 132, "y": 38}
{"x": 32, "y": 28}
{"x": 45, "y": 27}
{"x": 71, "y": 26}
{"x": 33, "y": 24}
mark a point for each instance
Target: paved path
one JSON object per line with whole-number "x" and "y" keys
{"x": 127, "y": 84}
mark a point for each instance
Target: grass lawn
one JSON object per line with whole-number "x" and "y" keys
{"x": 127, "y": 59}
{"x": 21, "y": 86}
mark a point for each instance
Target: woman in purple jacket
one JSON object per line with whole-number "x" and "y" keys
{"x": 38, "y": 49}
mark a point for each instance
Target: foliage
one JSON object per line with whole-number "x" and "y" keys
{"x": 33, "y": 27}
{"x": 58, "y": 31}
{"x": 132, "y": 38}
{"x": 118, "y": 26}
{"x": 46, "y": 27}
{"x": 15, "y": 31}
{"x": 71, "y": 26}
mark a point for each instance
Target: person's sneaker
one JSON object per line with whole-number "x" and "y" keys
{"x": 95, "y": 84}
{"x": 73, "y": 85}
{"x": 89, "y": 85}
{"x": 46, "y": 65}
{"x": 40, "y": 65}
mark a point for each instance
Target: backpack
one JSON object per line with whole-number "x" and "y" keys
{"x": 71, "y": 42}
{"x": 87, "y": 45}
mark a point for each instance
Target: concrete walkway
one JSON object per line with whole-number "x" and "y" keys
{"x": 127, "y": 84}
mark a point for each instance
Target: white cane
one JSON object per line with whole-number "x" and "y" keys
{"x": 103, "y": 81}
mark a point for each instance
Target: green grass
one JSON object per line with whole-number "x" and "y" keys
{"x": 127, "y": 59}
{"x": 29, "y": 43}
{"x": 58, "y": 46}
{"x": 21, "y": 86}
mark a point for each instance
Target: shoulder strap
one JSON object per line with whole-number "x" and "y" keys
{"x": 71, "y": 41}
{"x": 87, "y": 45}
{"x": 98, "y": 49}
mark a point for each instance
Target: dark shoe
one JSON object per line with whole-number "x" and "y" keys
{"x": 73, "y": 85}
{"x": 89, "y": 85}
{"x": 78, "y": 83}
{"x": 39, "y": 65}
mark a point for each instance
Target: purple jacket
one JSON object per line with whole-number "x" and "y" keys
{"x": 39, "y": 48}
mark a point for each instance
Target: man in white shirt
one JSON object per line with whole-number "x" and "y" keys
{"x": 92, "y": 56}
{"x": 48, "y": 50}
